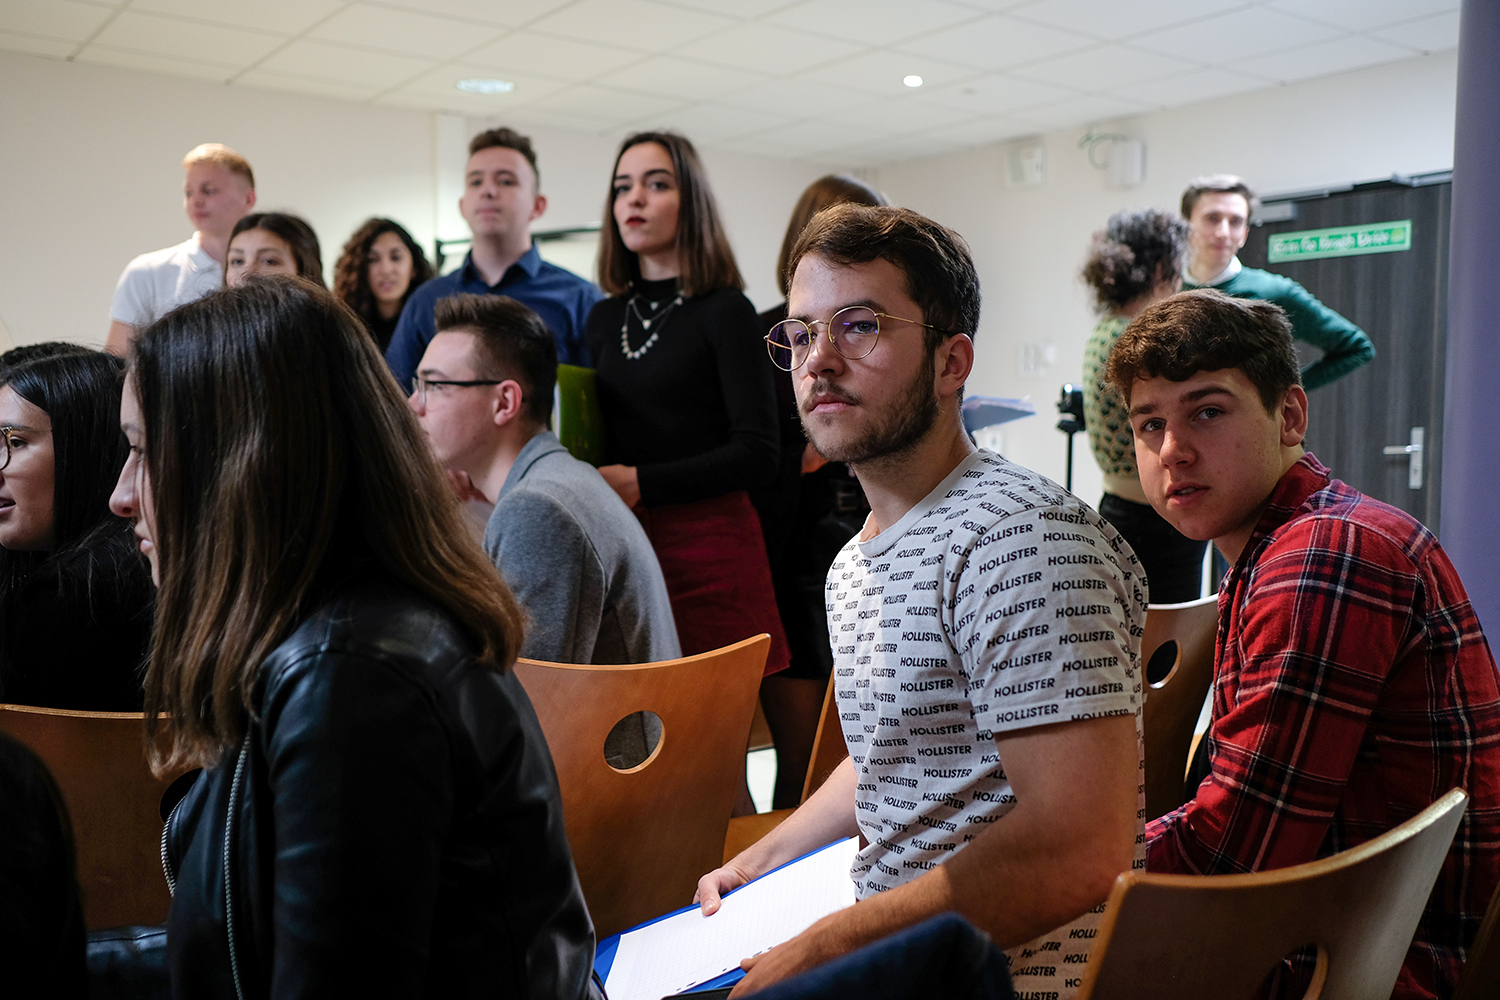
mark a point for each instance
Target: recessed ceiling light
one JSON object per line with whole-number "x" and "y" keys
{"x": 479, "y": 86}
{"x": 913, "y": 81}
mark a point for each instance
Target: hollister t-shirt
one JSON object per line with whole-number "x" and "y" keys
{"x": 998, "y": 603}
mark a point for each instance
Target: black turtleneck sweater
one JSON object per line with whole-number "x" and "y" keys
{"x": 695, "y": 414}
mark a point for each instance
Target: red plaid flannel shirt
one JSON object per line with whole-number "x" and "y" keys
{"x": 1352, "y": 687}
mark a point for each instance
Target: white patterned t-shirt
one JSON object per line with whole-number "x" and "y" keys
{"x": 998, "y": 603}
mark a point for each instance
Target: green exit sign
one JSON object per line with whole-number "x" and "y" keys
{"x": 1345, "y": 241}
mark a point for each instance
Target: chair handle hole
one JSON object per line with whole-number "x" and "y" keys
{"x": 633, "y": 742}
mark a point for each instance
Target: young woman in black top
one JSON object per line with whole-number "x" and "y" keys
{"x": 689, "y": 405}
{"x": 807, "y": 515}
{"x": 75, "y": 596}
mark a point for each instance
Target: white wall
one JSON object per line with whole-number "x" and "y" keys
{"x": 1029, "y": 243}
{"x": 90, "y": 176}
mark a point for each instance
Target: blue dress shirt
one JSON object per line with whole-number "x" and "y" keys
{"x": 559, "y": 296}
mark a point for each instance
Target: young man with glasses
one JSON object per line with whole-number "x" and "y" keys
{"x": 571, "y": 550}
{"x": 985, "y": 626}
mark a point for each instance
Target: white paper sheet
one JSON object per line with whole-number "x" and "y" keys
{"x": 682, "y": 951}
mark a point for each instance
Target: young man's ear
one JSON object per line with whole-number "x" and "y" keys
{"x": 539, "y": 206}
{"x": 508, "y": 400}
{"x": 953, "y": 363}
{"x": 1293, "y": 412}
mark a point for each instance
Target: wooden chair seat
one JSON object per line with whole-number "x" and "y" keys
{"x": 1174, "y": 702}
{"x": 641, "y": 837}
{"x": 1165, "y": 937}
{"x": 98, "y": 760}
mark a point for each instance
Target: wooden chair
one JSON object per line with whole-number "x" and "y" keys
{"x": 98, "y": 760}
{"x": 1168, "y": 936}
{"x": 828, "y": 753}
{"x": 642, "y": 837}
{"x": 1481, "y": 975}
{"x": 1174, "y": 703}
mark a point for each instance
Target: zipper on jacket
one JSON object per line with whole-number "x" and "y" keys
{"x": 166, "y": 862}
{"x": 234, "y": 795}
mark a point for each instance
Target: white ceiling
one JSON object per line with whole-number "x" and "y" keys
{"x": 812, "y": 80}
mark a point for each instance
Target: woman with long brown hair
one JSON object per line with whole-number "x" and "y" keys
{"x": 688, "y": 401}
{"x": 381, "y": 265}
{"x": 380, "y": 813}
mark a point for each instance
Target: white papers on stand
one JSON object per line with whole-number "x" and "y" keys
{"x": 987, "y": 411}
{"x": 687, "y": 949}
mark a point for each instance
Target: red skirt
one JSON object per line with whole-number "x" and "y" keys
{"x": 713, "y": 556}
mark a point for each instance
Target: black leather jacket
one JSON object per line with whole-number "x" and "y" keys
{"x": 397, "y": 828}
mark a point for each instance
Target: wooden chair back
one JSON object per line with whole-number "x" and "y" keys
{"x": 642, "y": 837}
{"x": 1190, "y": 936}
{"x": 1174, "y": 703}
{"x": 1481, "y": 975}
{"x": 829, "y": 749}
{"x": 99, "y": 762}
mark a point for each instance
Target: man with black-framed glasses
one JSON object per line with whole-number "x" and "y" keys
{"x": 985, "y": 626}
{"x": 573, "y": 553}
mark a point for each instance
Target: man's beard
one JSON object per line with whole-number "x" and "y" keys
{"x": 898, "y": 430}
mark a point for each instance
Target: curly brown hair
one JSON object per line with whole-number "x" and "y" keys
{"x": 351, "y": 275}
{"x": 1135, "y": 252}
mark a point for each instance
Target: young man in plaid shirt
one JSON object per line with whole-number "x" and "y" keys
{"x": 1353, "y": 685}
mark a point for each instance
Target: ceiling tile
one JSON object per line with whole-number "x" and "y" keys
{"x": 879, "y": 73}
{"x": 1429, "y": 34}
{"x": 1249, "y": 32}
{"x": 1363, "y": 15}
{"x": 1079, "y": 111}
{"x": 707, "y": 124}
{"x": 439, "y": 86}
{"x": 34, "y": 46}
{"x": 874, "y": 22}
{"x": 57, "y": 19}
{"x": 739, "y": 9}
{"x": 606, "y": 104}
{"x": 635, "y": 24}
{"x": 322, "y": 61}
{"x": 179, "y": 39}
{"x": 404, "y": 32}
{"x": 279, "y": 17}
{"x": 802, "y": 139}
{"x": 996, "y": 94}
{"x": 767, "y": 48}
{"x": 1104, "y": 68}
{"x": 1323, "y": 59}
{"x": 997, "y": 43}
{"x": 103, "y": 56}
{"x": 1112, "y": 20}
{"x": 510, "y": 13}
{"x": 984, "y": 131}
{"x": 794, "y": 99}
{"x": 1190, "y": 88}
{"x": 524, "y": 52}
{"x": 889, "y": 118}
{"x": 898, "y": 148}
{"x": 262, "y": 80}
{"x": 671, "y": 77}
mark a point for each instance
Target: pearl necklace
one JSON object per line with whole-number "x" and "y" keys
{"x": 657, "y": 317}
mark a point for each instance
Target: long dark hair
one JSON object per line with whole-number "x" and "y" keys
{"x": 703, "y": 253}
{"x": 79, "y": 390}
{"x": 294, "y": 232}
{"x": 283, "y": 459}
{"x": 825, "y": 192}
{"x": 351, "y": 275}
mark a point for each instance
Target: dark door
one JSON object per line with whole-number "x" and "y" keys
{"x": 1361, "y": 425}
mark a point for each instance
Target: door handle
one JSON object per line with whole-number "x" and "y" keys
{"x": 1413, "y": 452}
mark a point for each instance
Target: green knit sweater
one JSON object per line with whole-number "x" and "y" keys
{"x": 1344, "y": 345}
